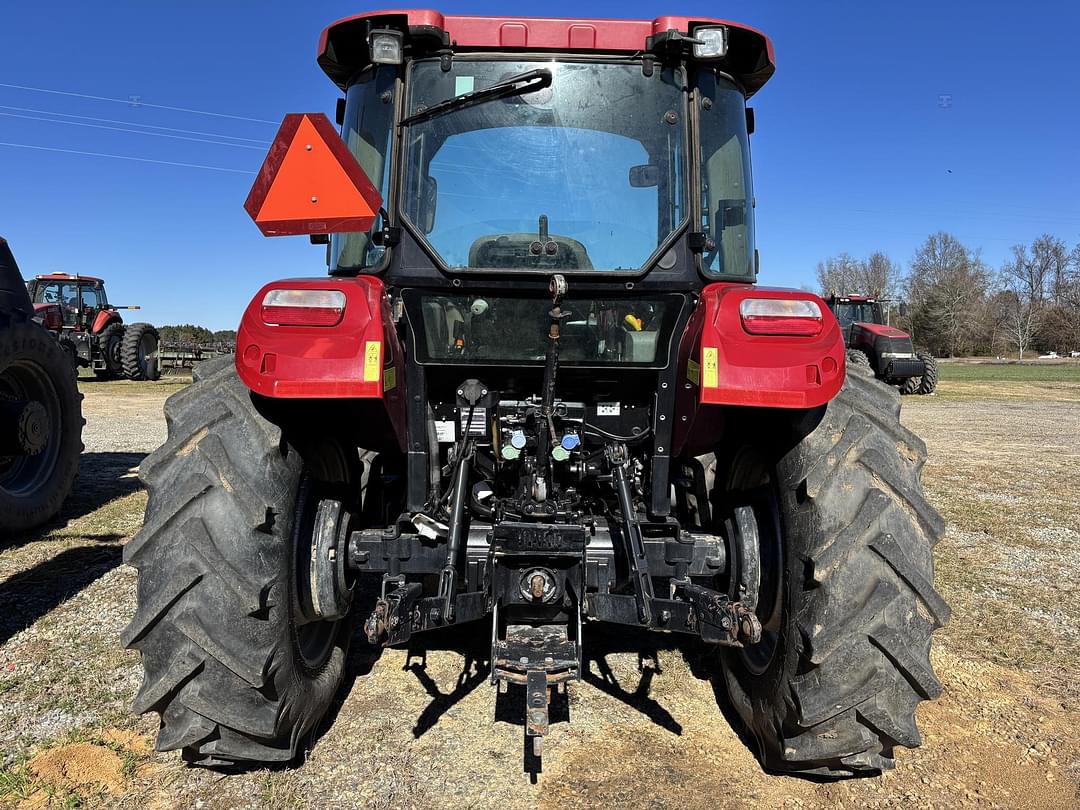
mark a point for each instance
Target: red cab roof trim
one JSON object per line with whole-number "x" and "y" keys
{"x": 340, "y": 54}
{"x": 66, "y": 277}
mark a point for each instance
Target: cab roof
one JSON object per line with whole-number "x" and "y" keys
{"x": 343, "y": 47}
{"x": 65, "y": 277}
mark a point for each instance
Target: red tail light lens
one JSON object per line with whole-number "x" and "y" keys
{"x": 797, "y": 317}
{"x": 52, "y": 319}
{"x": 303, "y": 307}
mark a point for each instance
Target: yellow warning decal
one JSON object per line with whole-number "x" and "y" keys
{"x": 710, "y": 363}
{"x": 372, "y": 360}
{"x": 693, "y": 372}
{"x": 389, "y": 378}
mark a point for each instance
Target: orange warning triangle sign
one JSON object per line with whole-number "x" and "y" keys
{"x": 311, "y": 183}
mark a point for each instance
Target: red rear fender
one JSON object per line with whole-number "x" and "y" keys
{"x": 721, "y": 363}
{"x": 360, "y": 357}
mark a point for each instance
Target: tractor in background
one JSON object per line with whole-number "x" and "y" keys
{"x": 875, "y": 344}
{"x": 90, "y": 329}
{"x": 40, "y": 410}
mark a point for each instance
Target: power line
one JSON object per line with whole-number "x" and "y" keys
{"x": 134, "y": 124}
{"x": 128, "y": 129}
{"x": 130, "y": 102}
{"x": 125, "y": 157}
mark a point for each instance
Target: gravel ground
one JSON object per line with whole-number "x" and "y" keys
{"x": 422, "y": 726}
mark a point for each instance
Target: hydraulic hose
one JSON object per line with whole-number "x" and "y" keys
{"x": 448, "y": 578}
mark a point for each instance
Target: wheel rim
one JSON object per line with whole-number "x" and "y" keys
{"x": 314, "y": 639}
{"x": 770, "y": 607}
{"x": 21, "y": 476}
{"x": 752, "y": 481}
{"x": 148, "y": 346}
{"x": 112, "y": 353}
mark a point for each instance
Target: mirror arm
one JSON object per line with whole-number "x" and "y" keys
{"x": 387, "y": 235}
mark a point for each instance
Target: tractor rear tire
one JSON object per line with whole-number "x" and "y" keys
{"x": 34, "y": 366}
{"x": 111, "y": 341}
{"x": 139, "y": 352}
{"x": 928, "y": 383}
{"x": 831, "y": 690}
{"x": 227, "y": 665}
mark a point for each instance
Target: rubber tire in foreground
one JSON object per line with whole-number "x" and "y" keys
{"x": 928, "y": 382}
{"x": 216, "y": 559}
{"x": 136, "y": 360}
{"x": 852, "y": 659}
{"x": 111, "y": 341}
{"x": 25, "y": 345}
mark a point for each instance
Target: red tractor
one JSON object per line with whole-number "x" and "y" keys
{"x": 538, "y": 390}
{"x": 91, "y": 330}
{"x": 40, "y": 411}
{"x": 887, "y": 351}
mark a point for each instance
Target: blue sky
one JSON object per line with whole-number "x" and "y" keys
{"x": 856, "y": 149}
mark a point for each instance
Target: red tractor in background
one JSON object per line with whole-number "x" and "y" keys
{"x": 887, "y": 351}
{"x": 538, "y": 389}
{"x": 91, "y": 330}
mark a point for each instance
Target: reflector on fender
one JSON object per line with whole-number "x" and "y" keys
{"x": 780, "y": 316}
{"x": 303, "y": 307}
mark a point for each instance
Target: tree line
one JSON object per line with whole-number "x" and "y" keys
{"x": 188, "y": 334}
{"x": 955, "y": 304}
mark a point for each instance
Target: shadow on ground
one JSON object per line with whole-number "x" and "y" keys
{"x": 103, "y": 477}
{"x": 27, "y": 596}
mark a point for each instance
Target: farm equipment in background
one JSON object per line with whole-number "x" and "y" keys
{"x": 76, "y": 309}
{"x": 887, "y": 351}
{"x": 40, "y": 411}
{"x": 539, "y": 389}
{"x": 182, "y": 356}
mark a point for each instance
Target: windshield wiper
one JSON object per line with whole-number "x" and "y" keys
{"x": 518, "y": 85}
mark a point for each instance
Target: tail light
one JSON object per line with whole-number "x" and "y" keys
{"x": 52, "y": 318}
{"x": 303, "y": 307}
{"x": 781, "y": 316}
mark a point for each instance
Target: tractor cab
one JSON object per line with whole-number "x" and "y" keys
{"x": 853, "y": 309}
{"x": 81, "y": 300}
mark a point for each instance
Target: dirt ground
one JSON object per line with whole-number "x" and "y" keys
{"x": 420, "y": 727}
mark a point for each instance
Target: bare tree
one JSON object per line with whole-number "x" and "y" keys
{"x": 843, "y": 274}
{"x": 1040, "y": 278}
{"x": 946, "y": 289}
{"x": 1021, "y": 321}
{"x": 881, "y": 275}
{"x": 840, "y": 274}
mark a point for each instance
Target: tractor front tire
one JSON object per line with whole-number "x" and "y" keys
{"x": 857, "y": 358}
{"x": 928, "y": 382}
{"x": 139, "y": 352}
{"x": 849, "y": 606}
{"x": 237, "y": 676}
{"x": 111, "y": 341}
{"x": 910, "y": 386}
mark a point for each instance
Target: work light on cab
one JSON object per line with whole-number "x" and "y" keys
{"x": 303, "y": 307}
{"x": 711, "y": 42}
{"x": 386, "y": 47}
{"x": 781, "y": 316}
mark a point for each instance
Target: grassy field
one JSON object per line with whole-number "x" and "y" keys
{"x": 1034, "y": 372}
